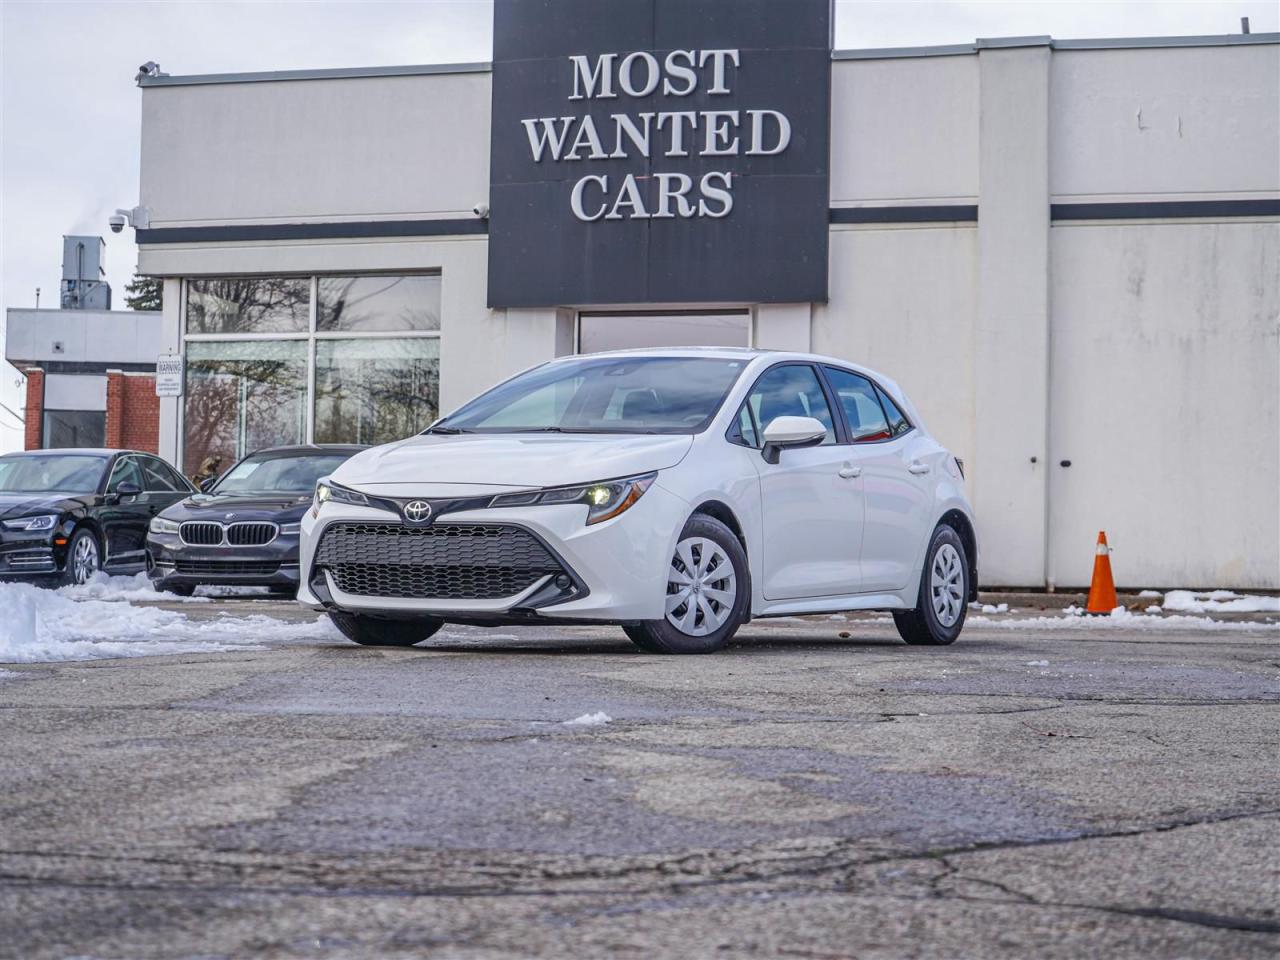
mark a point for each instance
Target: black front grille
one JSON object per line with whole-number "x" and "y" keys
{"x": 226, "y": 568}
{"x": 201, "y": 533}
{"x": 250, "y": 534}
{"x": 446, "y": 562}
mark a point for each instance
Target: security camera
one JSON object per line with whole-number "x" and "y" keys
{"x": 117, "y": 222}
{"x": 481, "y": 210}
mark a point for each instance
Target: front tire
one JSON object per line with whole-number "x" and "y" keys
{"x": 708, "y": 591}
{"x": 944, "y": 594}
{"x": 377, "y": 632}
{"x": 84, "y": 558}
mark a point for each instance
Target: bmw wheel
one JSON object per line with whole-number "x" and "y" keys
{"x": 83, "y": 558}
{"x": 378, "y": 632}
{"x": 708, "y": 590}
{"x": 944, "y": 593}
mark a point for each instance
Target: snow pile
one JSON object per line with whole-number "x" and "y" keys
{"x": 104, "y": 587}
{"x": 1219, "y": 601}
{"x": 43, "y": 625}
{"x": 589, "y": 720}
{"x": 1074, "y": 618}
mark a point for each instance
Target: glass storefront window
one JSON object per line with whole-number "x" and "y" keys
{"x": 249, "y": 305}
{"x": 375, "y": 390}
{"x": 378, "y": 303}
{"x": 242, "y": 396}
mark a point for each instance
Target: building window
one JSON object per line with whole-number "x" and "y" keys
{"x": 629, "y": 331}
{"x": 331, "y": 359}
{"x": 74, "y": 428}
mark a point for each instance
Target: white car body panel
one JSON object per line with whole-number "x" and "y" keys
{"x": 816, "y": 541}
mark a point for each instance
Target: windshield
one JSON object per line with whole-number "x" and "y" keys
{"x": 604, "y": 395}
{"x": 73, "y": 473}
{"x": 277, "y": 474}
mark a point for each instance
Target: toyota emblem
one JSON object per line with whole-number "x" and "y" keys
{"x": 417, "y": 511}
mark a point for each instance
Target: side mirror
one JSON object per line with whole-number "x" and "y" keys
{"x": 788, "y": 432}
{"x": 127, "y": 490}
{"x": 207, "y": 484}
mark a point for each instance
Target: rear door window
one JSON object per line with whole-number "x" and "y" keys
{"x": 861, "y": 406}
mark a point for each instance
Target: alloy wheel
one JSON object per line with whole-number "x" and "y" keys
{"x": 84, "y": 562}
{"x": 947, "y": 585}
{"x": 701, "y": 587}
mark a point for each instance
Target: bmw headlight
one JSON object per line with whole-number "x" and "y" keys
{"x": 160, "y": 525}
{"x": 327, "y": 490}
{"x": 604, "y": 500}
{"x": 44, "y": 521}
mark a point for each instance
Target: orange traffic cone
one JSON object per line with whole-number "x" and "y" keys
{"x": 1102, "y": 591}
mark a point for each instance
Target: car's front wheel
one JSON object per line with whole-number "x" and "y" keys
{"x": 708, "y": 590}
{"x": 378, "y": 632}
{"x": 83, "y": 557}
{"x": 944, "y": 593}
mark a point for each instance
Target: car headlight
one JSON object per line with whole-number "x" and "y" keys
{"x": 604, "y": 500}
{"x": 290, "y": 529}
{"x": 161, "y": 525}
{"x": 327, "y": 490}
{"x": 44, "y": 521}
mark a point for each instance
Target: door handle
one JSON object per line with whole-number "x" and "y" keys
{"x": 849, "y": 472}
{"x": 918, "y": 468}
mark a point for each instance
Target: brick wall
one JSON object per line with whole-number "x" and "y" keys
{"x": 35, "y": 408}
{"x": 133, "y": 411}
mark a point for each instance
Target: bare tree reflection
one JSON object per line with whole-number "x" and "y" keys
{"x": 248, "y": 305}
{"x": 378, "y": 303}
{"x": 375, "y": 391}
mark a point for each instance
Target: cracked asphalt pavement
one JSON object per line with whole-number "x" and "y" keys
{"x": 818, "y": 790}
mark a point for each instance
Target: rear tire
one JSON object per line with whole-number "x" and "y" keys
{"x": 944, "y": 594}
{"x": 708, "y": 593}
{"x": 377, "y": 632}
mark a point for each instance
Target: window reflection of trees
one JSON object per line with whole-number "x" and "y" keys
{"x": 378, "y": 303}
{"x": 236, "y": 406}
{"x": 375, "y": 391}
{"x": 248, "y": 305}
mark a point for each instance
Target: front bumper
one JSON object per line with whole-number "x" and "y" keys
{"x": 617, "y": 569}
{"x": 170, "y": 562}
{"x": 24, "y": 555}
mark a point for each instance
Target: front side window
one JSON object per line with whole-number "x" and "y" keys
{"x": 243, "y": 396}
{"x": 861, "y": 406}
{"x": 375, "y": 390}
{"x": 274, "y": 473}
{"x": 42, "y": 473}
{"x": 126, "y": 470}
{"x": 249, "y": 305}
{"x": 790, "y": 391}
{"x": 604, "y": 395}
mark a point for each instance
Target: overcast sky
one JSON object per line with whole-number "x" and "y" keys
{"x": 70, "y": 109}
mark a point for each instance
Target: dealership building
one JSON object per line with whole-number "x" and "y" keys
{"x": 1066, "y": 251}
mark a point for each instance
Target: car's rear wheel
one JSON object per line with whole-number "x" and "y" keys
{"x": 944, "y": 593}
{"x": 84, "y": 559}
{"x": 708, "y": 590}
{"x": 379, "y": 632}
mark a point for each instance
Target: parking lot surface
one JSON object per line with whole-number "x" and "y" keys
{"x": 817, "y": 790}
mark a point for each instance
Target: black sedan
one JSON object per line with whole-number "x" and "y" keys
{"x": 67, "y": 514}
{"x": 243, "y": 530}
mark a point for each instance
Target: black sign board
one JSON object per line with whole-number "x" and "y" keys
{"x": 659, "y": 151}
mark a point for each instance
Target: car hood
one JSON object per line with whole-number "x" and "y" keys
{"x": 515, "y": 460}
{"x": 281, "y": 508}
{"x": 25, "y": 504}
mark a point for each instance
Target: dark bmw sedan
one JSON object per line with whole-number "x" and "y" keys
{"x": 67, "y": 514}
{"x": 243, "y": 530}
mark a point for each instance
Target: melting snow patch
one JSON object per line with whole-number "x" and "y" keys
{"x": 43, "y": 625}
{"x": 589, "y": 720}
{"x": 1219, "y": 601}
{"x": 1149, "y": 594}
{"x": 994, "y": 608}
{"x": 1073, "y": 618}
{"x": 137, "y": 587}
{"x": 1037, "y": 663}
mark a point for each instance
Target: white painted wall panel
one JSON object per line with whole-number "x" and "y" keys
{"x": 369, "y": 147}
{"x": 1165, "y": 383}
{"x": 1199, "y": 120}
{"x": 904, "y": 130}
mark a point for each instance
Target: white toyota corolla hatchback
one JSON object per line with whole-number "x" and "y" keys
{"x": 677, "y": 493}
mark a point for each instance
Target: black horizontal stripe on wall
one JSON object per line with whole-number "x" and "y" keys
{"x": 1164, "y": 209}
{"x": 346, "y": 230}
{"x": 949, "y": 213}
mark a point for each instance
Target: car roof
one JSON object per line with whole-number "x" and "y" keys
{"x": 75, "y": 451}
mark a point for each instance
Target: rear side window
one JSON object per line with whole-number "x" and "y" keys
{"x": 160, "y": 477}
{"x": 898, "y": 424}
{"x": 862, "y": 410}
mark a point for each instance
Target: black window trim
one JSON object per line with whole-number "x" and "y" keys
{"x": 877, "y": 389}
{"x": 833, "y": 407}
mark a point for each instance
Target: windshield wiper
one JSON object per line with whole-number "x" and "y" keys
{"x": 446, "y": 430}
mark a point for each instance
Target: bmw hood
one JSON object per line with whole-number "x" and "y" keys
{"x": 280, "y": 508}
{"x": 25, "y": 504}
{"x": 515, "y": 460}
